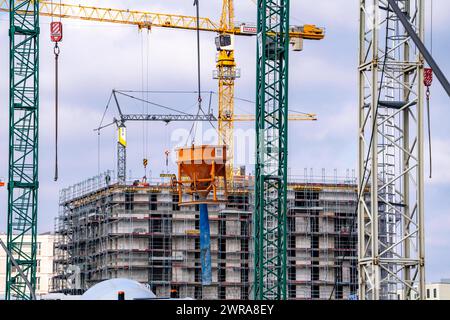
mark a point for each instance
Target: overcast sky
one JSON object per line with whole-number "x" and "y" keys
{"x": 95, "y": 58}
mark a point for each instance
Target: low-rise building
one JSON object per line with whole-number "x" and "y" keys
{"x": 44, "y": 271}
{"x": 438, "y": 290}
{"x": 434, "y": 291}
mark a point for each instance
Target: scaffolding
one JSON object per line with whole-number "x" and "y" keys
{"x": 107, "y": 229}
{"x": 322, "y": 241}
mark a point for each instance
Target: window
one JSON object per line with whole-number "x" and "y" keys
{"x": 314, "y": 221}
{"x": 222, "y": 293}
{"x": 428, "y": 293}
{"x": 175, "y": 200}
{"x": 39, "y": 246}
{"x": 198, "y": 293}
{"x": 153, "y": 202}
{"x": 129, "y": 199}
{"x": 339, "y": 292}
{"x": 435, "y": 293}
{"x": 38, "y": 283}
{"x": 315, "y": 292}
{"x": 38, "y": 266}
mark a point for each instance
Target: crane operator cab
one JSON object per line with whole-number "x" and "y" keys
{"x": 225, "y": 42}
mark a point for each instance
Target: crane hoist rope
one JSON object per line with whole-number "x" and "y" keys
{"x": 428, "y": 81}
{"x": 193, "y": 130}
{"x": 145, "y": 51}
{"x": 56, "y": 35}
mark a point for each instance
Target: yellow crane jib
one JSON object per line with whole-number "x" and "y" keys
{"x": 145, "y": 19}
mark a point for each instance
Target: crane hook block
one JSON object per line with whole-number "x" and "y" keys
{"x": 56, "y": 31}
{"x": 428, "y": 77}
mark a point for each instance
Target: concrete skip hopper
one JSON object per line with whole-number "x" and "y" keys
{"x": 200, "y": 169}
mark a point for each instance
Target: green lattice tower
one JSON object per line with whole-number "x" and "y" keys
{"x": 271, "y": 148}
{"x": 23, "y": 146}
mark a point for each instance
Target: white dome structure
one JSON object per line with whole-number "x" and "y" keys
{"x": 108, "y": 290}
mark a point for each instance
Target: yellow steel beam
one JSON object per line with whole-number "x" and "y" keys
{"x": 142, "y": 19}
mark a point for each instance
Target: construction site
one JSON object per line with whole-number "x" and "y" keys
{"x": 197, "y": 221}
{"x": 141, "y": 233}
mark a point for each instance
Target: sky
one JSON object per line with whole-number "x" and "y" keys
{"x": 96, "y": 58}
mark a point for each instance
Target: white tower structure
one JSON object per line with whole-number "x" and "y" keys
{"x": 391, "y": 219}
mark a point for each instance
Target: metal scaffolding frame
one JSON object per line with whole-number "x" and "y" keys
{"x": 107, "y": 229}
{"x": 390, "y": 220}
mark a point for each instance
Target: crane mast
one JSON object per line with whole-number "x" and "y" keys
{"x": 226, "y": 73}
{"x": 270, "y": 216}
{"x": 391, "y": 139}
{"x": 23, "y": 149}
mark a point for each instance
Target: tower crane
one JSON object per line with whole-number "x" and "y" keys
{"x": 391, "y": 231}
{"x": 382, "y": 272}
{"x": 270, "y": 216}
{"x": 23, "y": 181}
{"x": 226, "y": 72}
{"x": 167, "y": 118}
{"x": 122, "y": 136}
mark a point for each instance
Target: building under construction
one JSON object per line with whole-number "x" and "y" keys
{"x": 108, "y": 230}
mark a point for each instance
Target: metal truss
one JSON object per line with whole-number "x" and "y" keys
{"x": 271, "y": 147}
{"x": 23, "y": 149}
{"x": 390, "y": 219}
{"x": 168, "y": 117}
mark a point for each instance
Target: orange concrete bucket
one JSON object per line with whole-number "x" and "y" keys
{"x": 199, "y": 171}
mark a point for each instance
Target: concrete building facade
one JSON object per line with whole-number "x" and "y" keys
{"x": 105, "y": 230}
{"x": 438, "y": 290}
{"x": 44, "y": 270}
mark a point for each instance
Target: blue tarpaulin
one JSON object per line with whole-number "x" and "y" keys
{"x": 205, "y": 245}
